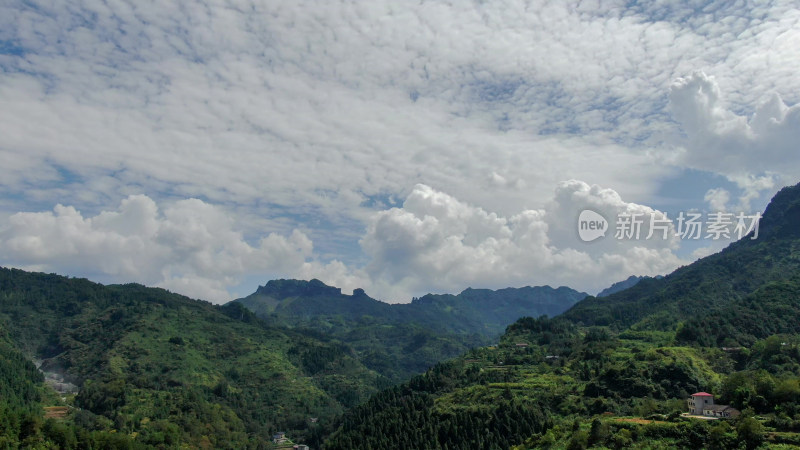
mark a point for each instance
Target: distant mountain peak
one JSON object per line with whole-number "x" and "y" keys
{"x": 295, "y": 288}
{"x": 472, "y": 311}
{"x": 624, "y": 284}
{"x": 782, "y": 217}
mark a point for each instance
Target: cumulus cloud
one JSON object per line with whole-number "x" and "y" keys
{"x": 437, "y": 242}
{"x": 434, "y": 242}
{"x": 192, "y": 247}
{"x": 312, "y": 114}
{"x": 755, "y": 152}
{"x": 573, "y": 196}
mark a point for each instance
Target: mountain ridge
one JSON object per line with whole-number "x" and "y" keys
{"x": 403, "y": 339}
{"x": 313, "y": 297}
{"x": 615, "y": 372}
{"x": 147, "y": 360}
{"x": 622, "y": 285}
{"x": 711, "y": 282}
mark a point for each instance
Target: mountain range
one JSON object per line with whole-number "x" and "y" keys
{"x": 473, "y": 311}
{"x": 155, "y": 369}
{"x": 167, "y": 369}
{"x": 715, "y": 286}
{"x": 622, "y": 285}
{"x": 401, "y": 340}
{"x": 615, "y": 371}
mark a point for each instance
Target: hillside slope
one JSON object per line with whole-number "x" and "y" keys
{"x": 710, "y": 283}
{"x": 168, "y": 369}
{"x": 621, "y": 285}
{"x": 564, "y": 382}
{"x": 473, "y": 311}
{"x": 402, "y": 340}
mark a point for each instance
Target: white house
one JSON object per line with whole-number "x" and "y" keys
{"x": 698, "y": 401}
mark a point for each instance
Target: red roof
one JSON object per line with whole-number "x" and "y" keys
{"x": 702, "y": 394}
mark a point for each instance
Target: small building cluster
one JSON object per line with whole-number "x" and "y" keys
{"x": 702, "y": 404}
{"x": 279, "y": 438}
{"x": 282, "y": 441}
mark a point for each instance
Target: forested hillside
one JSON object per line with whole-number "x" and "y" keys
{"x": 155, "y": 369}
{"x": 165, "y": 369}
{"x": 615, "y": 372}
{"x": 712, "y": 283}
{"x": 550, "y": 384}
{"x": 402, "y": 340}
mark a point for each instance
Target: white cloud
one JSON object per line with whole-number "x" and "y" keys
{"x": 573, "y": 196}
{"x": 717, "y": 199}
{"x": 437, "y": 242}
{"x": 756, "y": 153}
{"x": 192, "y": 247}
{"x": 325, "y": 103}
{"x": 311, "y": 115}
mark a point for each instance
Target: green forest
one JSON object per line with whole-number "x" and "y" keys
{"x": 402, "y": 340}
{"x": 153, "y": 369}
{"x": 160, "y": 370}
{"x": 616, "y": 372}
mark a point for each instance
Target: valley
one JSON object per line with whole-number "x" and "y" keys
{"x": 139, "y": 367}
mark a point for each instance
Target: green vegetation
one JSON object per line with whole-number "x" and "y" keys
{"x": 402, "y": 340}
{"x": 615, "y": 372}
{"x": 22, "y": 422}
{"x": 157, "y": 369}
{"x": 497, "y": 397}
{"x": 160, "y": 369}
{"x": 724, "y": 283}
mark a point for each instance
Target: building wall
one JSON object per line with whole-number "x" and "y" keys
{"x": 696, "y": 404}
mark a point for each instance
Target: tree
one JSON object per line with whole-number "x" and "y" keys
{"x": 719, "y": 436}
{"x": 579, "y": 441}
{"x": 598, "y": 434}
{"x": 750, "y": 432}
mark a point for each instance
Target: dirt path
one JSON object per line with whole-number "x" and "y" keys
{"x": 639, "y": 421}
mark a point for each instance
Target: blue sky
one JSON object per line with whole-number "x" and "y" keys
{"x": 207, "y": 146}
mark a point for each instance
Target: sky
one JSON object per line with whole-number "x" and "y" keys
{"x": 402, "y": 147}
